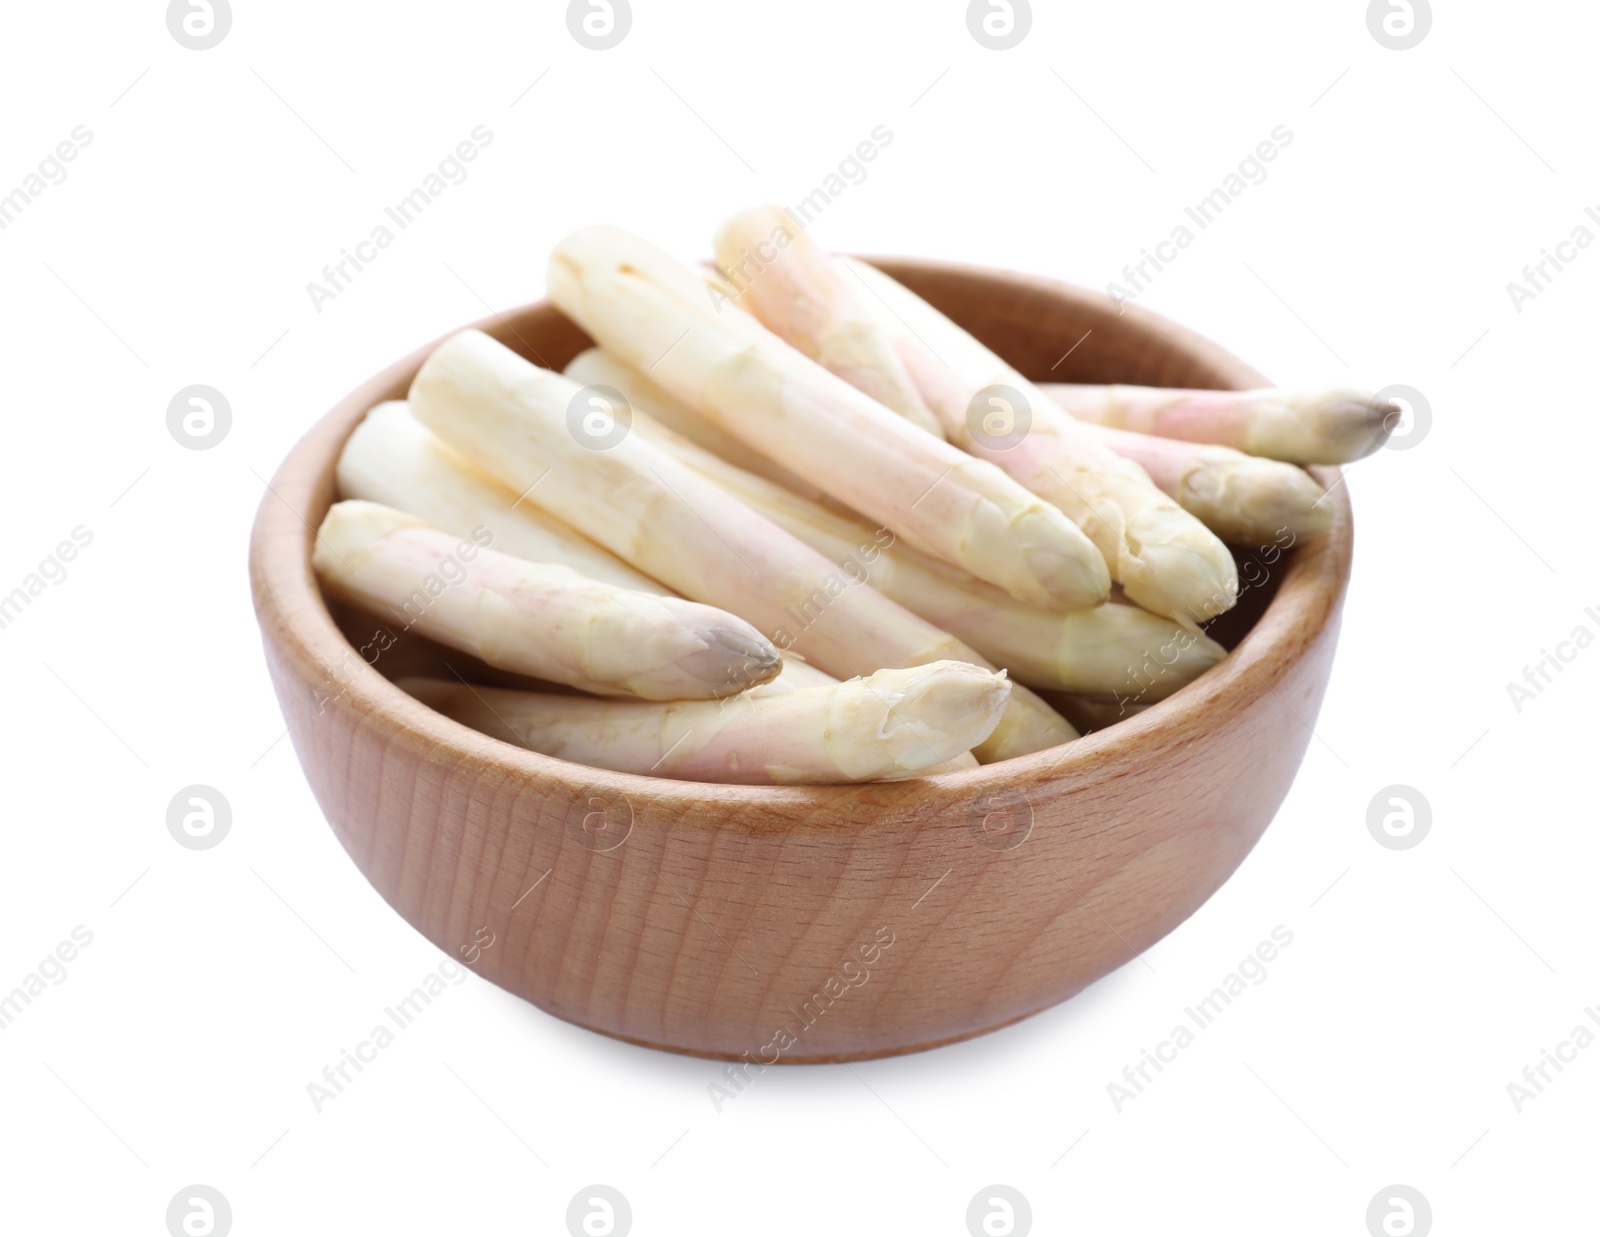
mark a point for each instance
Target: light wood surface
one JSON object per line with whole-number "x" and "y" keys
{"x": 707, "y": 919}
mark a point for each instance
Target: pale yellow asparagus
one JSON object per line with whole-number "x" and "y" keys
{"x": 538, "y": 619}
{"x": 1163, "y": 557}
{"x": 596, "y": 367}
{"x": 796, "y": 289}
{"x": 1242, "y": 498}
{"x": 657, "y": 315}
{"x": 892, "y": 723}
{"x": 1106, "y": 651}
{"x": 776, "y": 271}
{"x": 393, "y": 459}
{"x": 510, "y": 418}
{"x": 796, "y": 676}
{"x": 955, "y": 765}
{"x": 1109, "y": 650}
{"x": 1331, "y": 426}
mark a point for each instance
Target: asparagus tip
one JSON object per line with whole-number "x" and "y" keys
{"x": 1344, "y": 424}
{"x": 735, "y": 658}
{"x": 1382, "y": 417}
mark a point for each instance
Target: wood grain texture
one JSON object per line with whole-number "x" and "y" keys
{"x": 706, "y": 919}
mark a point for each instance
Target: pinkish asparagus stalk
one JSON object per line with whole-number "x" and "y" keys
{"x": 1111, "y": 650}
{"x": 1242, "y": 498}
{"x": 535, "y": 618}
{"x": 392, "y": 459}
{"x": 512, "y": 419}
{"x": 594, "y": 367}
{"x": 1163, "y": 557}
{"x": 893, "y": 723}
{"x": 658, "y": 316}
{"x": 775, "y": 271}
{"x": 1333, "y": 426}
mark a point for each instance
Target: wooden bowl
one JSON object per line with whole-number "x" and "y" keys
{"x": 813, "y": 923}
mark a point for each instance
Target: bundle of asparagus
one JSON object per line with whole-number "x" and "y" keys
{"x": 1085, "y": 651}
{"x": 653, "y": 312}
{"x": 804, "y": 546}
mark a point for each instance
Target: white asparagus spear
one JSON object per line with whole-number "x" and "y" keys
{"x": 393, "y": 459}
{"x": 1107, "y": 651}
{"x": 889, "y": 724}
{"x": 535, "y": 618}
{"x": 511, "y": 418}
{"x": 964, "y": 761}
{"x": 595, "y": 367}
{"x": 796, "y": 676}
{"x": 657, "y": 315}
{"x": 775, "y": 271}
{"x": 1242, "y": 498}
{"x": 1163, "y": 557}
{"x": 799, "y": 292}
{"x": 1332, "y": 426}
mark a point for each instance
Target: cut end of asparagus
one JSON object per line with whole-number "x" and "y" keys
{"x": 346, "y": 537}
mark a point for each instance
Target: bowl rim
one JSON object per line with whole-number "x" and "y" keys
{"x": 289, "y": 602}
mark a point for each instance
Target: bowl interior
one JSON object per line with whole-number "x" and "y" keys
{"x": 1049, "y": 331}
{"x": 1079, "y": 338}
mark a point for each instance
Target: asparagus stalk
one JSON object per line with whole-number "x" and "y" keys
{"x": 1242, "y": 498}
{"x": 796, "y": 676}
{"x": 595, "y": 367}
{"x": 658, "y": 316}
{"x": 509, "y": 417}
{"x": 1109, "y": 651}
{"x": 392, "y": 459}
{"x": 799, "y": 292}
{"x": 889, "y": 724}
{"x": 955, "y": 765}
{"x": 1333, "y": 426}
{"x": 1163, "y": 557}
{"x": 803, "y": 298}
{"x": 535, "y": 618}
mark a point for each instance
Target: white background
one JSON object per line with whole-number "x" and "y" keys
{"x": 219, "y": 983}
